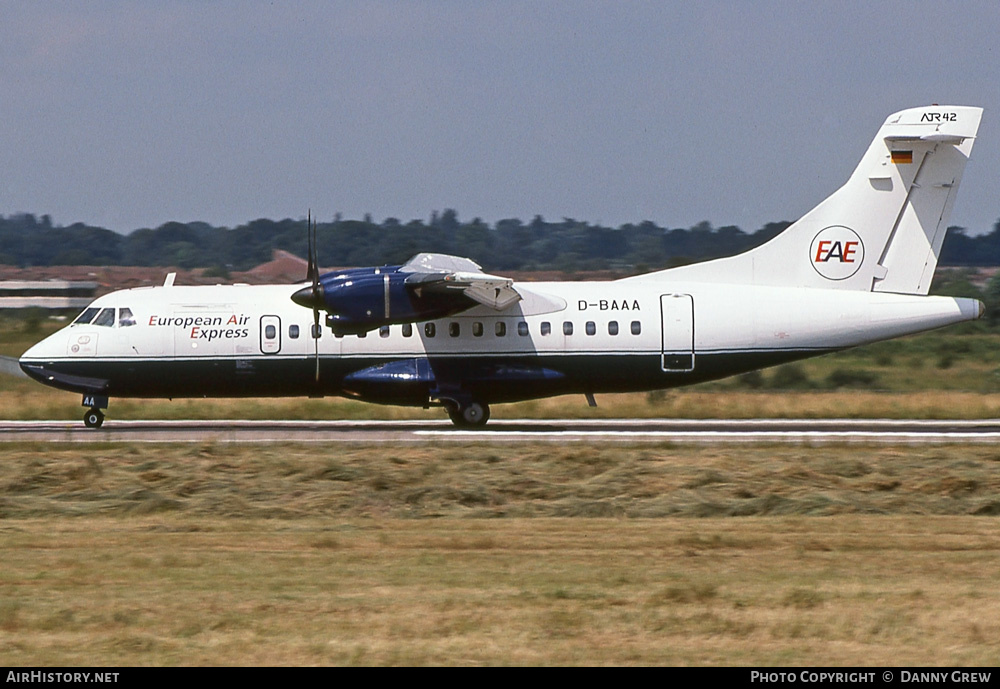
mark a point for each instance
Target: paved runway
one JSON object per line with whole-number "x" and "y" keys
{"x": 811, "y": 431}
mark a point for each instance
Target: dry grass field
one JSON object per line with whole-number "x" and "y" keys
{"x": 225, "y": 554}
{"x": 160, "y": 590}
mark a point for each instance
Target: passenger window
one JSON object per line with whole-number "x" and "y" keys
{"x": 501, "y": 329}
{"x": 407, "y": 329}
{"x": 522, "y": 329}
{"x": 567, "y": 328}
{"x": 125, "y": 318}
{"x": 429, "y": 329}
{"x": 477, "y": 329}
{"x": 363, "y": 334}
{"x": 270, "y": 332}
{"x": 317, "y": 331}
{"x": 293, "y": 332}
{"x": 591, "y": 328}
{"x": 636, "y": 327}
{"x": 105, "y": 318}
{"x": 454, "y": 329}
{"x": 612, "y": 327}
{"x": 546, "y": 328}
{"x": 86, "y": 317}
{"x": 383, "y": 331}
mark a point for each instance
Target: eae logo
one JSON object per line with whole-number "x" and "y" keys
{"x": 836, "y": 252}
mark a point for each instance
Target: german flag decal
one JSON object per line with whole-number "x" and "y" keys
{"x": 902, "y": 157}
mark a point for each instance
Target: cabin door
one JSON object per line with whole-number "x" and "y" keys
{"x": 677, "y": 318}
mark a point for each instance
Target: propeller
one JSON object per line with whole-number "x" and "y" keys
{"x": 316, "y": 293}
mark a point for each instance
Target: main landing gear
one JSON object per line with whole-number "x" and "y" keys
{"x": 469, "y": 414}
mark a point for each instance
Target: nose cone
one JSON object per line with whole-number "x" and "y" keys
{"x": 39, "y": 350}
{"x": 36, "y": 371}
{"x": 52, "y": 347}
{"x": 310, "y": 298}
{"x": 47, "y": 362}
{"x": 31, "y": 362}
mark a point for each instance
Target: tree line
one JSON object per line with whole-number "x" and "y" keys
{"x": 509, "y": 244}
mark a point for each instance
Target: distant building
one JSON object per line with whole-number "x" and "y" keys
{"x": 46, "y": 294}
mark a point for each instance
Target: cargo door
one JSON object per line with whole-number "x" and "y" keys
{"x": 677, "y": 318}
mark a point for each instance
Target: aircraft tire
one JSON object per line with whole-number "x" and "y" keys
{"x": 471, "y": 415}
{"x": 93, "y": 418}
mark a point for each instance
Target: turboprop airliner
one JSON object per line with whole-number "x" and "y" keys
{"x": 438, "y": 331}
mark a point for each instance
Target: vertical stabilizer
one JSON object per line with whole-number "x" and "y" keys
{"x": 882, "y": 231}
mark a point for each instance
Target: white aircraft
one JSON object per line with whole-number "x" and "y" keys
{"x": 438, "y": 331}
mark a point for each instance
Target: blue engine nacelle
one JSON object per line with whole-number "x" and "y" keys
{"x": 364, "y": 299}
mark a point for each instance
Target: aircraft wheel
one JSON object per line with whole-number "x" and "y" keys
{"x": 471, "y": 415}
{"x": 93, "y": 418}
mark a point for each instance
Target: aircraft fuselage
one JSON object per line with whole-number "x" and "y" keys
{"x": 583, "y": 337}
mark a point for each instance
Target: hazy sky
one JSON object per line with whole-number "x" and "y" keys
{"x": 132, "y": 114}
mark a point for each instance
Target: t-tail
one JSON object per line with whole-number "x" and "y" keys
{"x": 880, "y": 232}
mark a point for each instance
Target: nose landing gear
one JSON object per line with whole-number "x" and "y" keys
{"x": 93, "y": 418}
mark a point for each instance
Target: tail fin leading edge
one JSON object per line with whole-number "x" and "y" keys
{"x": 882, "y": 231}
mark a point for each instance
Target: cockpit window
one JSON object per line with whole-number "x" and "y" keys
{"x": 105, "y": 318}
{"x": 125, "y": 318}
{"x": 87, "y": 316}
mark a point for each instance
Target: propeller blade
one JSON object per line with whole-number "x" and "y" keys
{"x": 317, "y": 296}
{"x": 311, "y": 270}
{"x": 316, "y": 340}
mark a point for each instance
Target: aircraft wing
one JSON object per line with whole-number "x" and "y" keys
{"x": 441, "y": 273}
